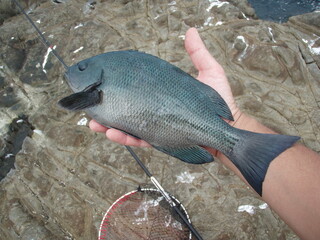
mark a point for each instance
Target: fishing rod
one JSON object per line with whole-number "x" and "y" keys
{"x": 153, "y": 179}
{"x": 43, "y": 39}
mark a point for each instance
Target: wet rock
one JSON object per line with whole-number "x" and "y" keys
{"x": 14, "y": 58}
{"x": 7, "y": 97}
{"x": 9, "y": 9}
{"x": 66, "y": 176}
{"x": 310, "y": 20}
{"x": 236, "y": 86}
{"x": 19, "y": 129}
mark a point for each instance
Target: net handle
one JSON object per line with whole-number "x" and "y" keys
{"x": 164, "y": 194}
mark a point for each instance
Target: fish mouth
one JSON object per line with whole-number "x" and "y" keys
{"x": 66, "y": 75}
{"x": 72, "y": 84}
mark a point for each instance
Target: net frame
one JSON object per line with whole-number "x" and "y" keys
{"x": 103, "y": 229}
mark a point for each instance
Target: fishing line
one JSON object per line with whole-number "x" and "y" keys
{"x": 44, "y": 40}
{"x": 172, "y": 202}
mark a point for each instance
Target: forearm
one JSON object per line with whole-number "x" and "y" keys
{"x": 292, "y": 183}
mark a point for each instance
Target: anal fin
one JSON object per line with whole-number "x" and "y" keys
{"x": 193, "y": 154}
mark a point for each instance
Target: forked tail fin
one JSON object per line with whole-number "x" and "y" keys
{"x": 253, "y": 153}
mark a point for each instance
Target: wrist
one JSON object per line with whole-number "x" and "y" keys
{"x": 244, "y": 122}
{"x": 248, "y": 123}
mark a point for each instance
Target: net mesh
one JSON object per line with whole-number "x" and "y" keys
{"x": 143, "y": 214}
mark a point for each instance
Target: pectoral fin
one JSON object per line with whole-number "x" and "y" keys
{"x": 194, "y": 154}
{"x": 81, "y": 100}
{"x": 88, "y": 97}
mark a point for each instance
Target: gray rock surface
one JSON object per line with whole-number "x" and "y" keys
{"x": 66, "y": 176}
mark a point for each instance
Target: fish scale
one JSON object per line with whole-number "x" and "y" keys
{"x": 149, "y": 98}
{"x": 171, "y": 128}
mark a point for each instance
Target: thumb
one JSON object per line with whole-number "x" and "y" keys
{"x": 200, "y": 56}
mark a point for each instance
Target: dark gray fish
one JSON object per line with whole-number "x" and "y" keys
{"x": 153, "y": 100}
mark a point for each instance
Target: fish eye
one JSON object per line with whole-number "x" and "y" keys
{"x": 82, "y": 66}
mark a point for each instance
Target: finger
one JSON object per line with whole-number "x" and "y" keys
{"x": 199, "y": 54}
{"x": 97, "y": 127}
{"x": 124, "y": 139}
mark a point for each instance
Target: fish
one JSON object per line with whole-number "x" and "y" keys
{"x": 153, "y": 100}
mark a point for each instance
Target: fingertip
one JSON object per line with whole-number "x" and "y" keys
{"x": 193, "y": 41}
{"x": 116, "y": 136}
{"x": 124, "y": 139}
{"x": 191, "y": 31}
{"x": 97, "y": 127}
{"x": 144, "y": 144}
{"x": 199, "y": 54}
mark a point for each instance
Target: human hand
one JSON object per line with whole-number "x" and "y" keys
{"x": 210, "y": 73}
